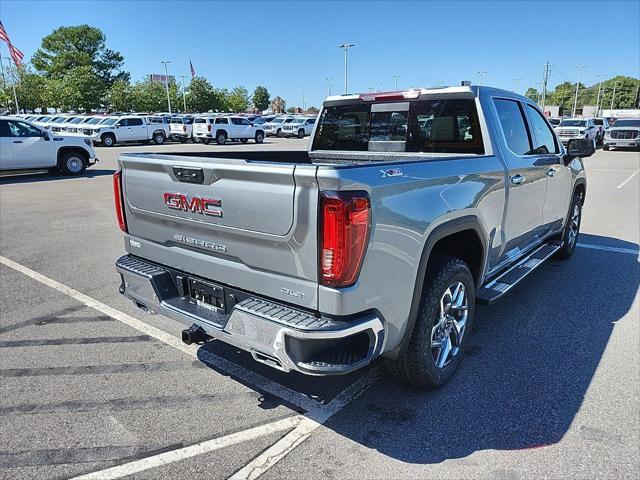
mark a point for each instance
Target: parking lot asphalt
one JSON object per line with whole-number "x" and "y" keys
{"x": 549, "y": 388}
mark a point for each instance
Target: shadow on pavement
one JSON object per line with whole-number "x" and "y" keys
{"x": 527, "y": 368}
{"x": 43, "y": 176}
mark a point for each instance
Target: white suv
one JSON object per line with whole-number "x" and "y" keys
{"x": 181, "y": 128}
{"x": 570, "y": 128}
{"x": 202, "y": 129}
{"x": 299, "y": 127}
{"x": 236, "y": 128}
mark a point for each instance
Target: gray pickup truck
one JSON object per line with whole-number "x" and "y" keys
{"x": 408, "y": 208}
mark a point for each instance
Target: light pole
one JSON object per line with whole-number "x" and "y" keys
{"x": 599, "y": 92}
{"x": 613, "y": 97}
{"x": 328, "y": 87}
{"x": 13, "y": 84}
{"x": 346, "y": 47}
{"x": 482, "y": 73}
{"x": 515, "y": 84}
{"x": 575, "y": 100}
{"x": 184, "y": 93}
{"x": 166, "y": 82}
{"x": 395, "y": 78}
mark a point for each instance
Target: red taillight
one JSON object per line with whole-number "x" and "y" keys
{"x": 118, "y": 197}
{"x": 208, "y": 128}
{"x": 344, "y": 232}
{"x": 184, "y": 128}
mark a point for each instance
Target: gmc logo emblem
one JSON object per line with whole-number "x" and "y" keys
{"x": 206, "y": 206}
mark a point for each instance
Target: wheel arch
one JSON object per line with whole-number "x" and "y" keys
{"x": 62, "y": 151}
{"x": 447, "y": 239}
{"x": 581, "y": 187}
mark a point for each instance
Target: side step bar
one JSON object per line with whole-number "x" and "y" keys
{"x": 496, "y": 288}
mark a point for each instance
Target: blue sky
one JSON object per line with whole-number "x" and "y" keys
{"x": 291, "y": 46}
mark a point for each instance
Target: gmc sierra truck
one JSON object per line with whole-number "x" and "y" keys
{"x": 408, "y": 209}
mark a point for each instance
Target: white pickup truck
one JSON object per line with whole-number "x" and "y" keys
{"x": 25, "y": 146}
{"x": 128, "y": 129}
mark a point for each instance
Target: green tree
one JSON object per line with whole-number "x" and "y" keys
{"x": 67, "y": 48}
{"x": 625, "y": 89}
{"x": 30, "y": 90}
{"x": 312, "y": 109}
{"x": 238, "y": 99}
{"x": 260, "y": 98}
{"x": 202, "y": 97}
{"x": 149, "y": 96}
{"x": 532, "y": 93}
{"x": 79, "y": 89}
{"x": 120, "y": 96}
{"x": 292, "y": 110}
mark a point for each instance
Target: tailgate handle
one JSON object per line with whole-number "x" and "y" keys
{"x": 189, "y": 175}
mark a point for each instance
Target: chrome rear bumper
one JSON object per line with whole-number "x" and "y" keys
{"x": 280, "y": 336}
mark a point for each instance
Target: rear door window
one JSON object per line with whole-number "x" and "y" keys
{"x": 514, "y": 126}
{"x": 544, "y": 139}
{"x": 134, "y": 122}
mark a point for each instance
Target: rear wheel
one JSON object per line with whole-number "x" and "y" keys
{"x": 259, "y": 138}
{"x": 244, "y": 140}
{"x": 279, "y": 133}
{"x": 73, "y": 163}
{"x": 301, "y": 133}
{"x": 221, "y": 138}
{"x": 605, "y": 147}
{"x": 572, "y": 228}
{"x": 442, "y": 328}
{"x": 158, "y": 138}
{"x": 206, "y": 141}
{"x": 108, "y": 140}
{"x": 195, "y": 140}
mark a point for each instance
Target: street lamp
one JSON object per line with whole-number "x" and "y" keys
{"x": 166, "y": 82}
{"x": 184, "y": 93}
{"x": 346, "y": 47}
{"x": 396, "y": 77}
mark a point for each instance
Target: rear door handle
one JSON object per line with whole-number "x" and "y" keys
{"x": 551, "y": 172}
{"x": 517, "y": 179}
{"x": 17, "y": 141}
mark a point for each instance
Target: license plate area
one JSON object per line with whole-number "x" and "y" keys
{"x": 207, "y": 295}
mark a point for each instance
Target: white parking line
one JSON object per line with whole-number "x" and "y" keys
{"x": 317, "y": 414}
{"x": 609, "y": 249}
{"x": 191, "y": 451}
{"x": 251, "y": 378}
{"x": 628, "y": 179}
{"x": 305, "y": 428}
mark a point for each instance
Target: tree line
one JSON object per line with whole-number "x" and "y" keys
{"x": 625, "y": 88}
{"x": 75, "y": 70}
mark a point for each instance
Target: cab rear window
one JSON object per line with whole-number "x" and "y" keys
{"x": 428, "y": 126}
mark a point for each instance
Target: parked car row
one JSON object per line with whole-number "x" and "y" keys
{"x": 609, "y": 132}
{"x": 158, "y": 128}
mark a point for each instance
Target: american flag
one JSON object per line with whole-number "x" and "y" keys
{"x": 16, "y": 54}
{"x": 193, "y": 70}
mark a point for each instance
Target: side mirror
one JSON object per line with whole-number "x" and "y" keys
{"x": 46, "y": 136}
{"x": 581, "y": 147}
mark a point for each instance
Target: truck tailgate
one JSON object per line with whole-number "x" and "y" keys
{"x": 247, "y": 224}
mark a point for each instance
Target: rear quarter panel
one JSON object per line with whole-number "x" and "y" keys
{"x": 405, "y": 210}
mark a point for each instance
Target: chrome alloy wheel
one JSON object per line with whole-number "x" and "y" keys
{"x": 74, "y": 164}
{"x": 574, "y": 224}
{"x": 447, "y": 333}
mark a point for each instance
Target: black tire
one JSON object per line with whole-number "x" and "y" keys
{"x": 108, "y": 140}
{"x": 158, "y": 138}
{"x": 301, "y": 133}
{"x": 569, "y": 240}
{"x": 605, "y": 147}
{"x": 416, "y": 365}
{"x": 196, "y": 140}
{"x": 221, "y": 138}
{"x": 72, "y": 163}
{"x": 244, "y": 140}
{"x": 279, "y": 133}
{"x": 259, "y": 138}
{"x": 183, "y": 139}
{"x": 206, "y": 141}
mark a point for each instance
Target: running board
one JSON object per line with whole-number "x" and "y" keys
{"x": 496, "y": 288}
